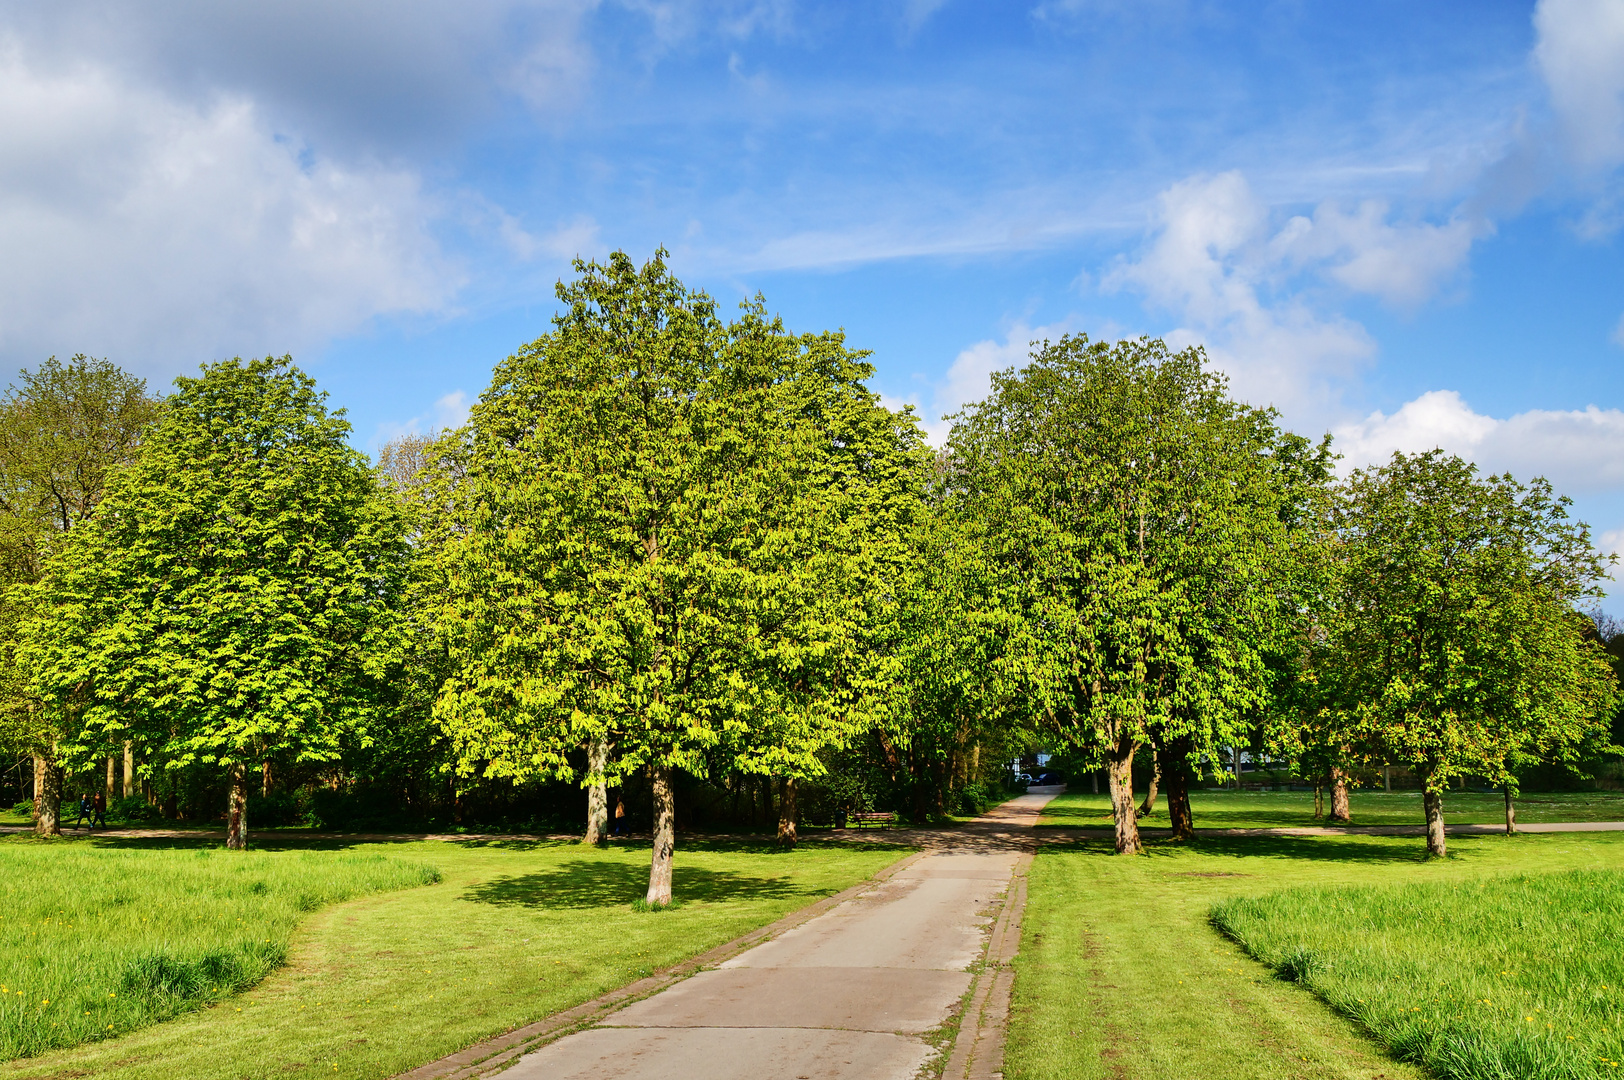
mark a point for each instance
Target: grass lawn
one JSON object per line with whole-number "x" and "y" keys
{"x": 1517, "y": 975}
{"x": 512, "y": 932}
{"x": 1267, "y": 809}
{"x": 1123, "y": 975}
{"x": 96, "y": 942}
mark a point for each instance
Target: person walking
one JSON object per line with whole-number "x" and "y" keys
{"x": 100, "y": 815}
{"x": 87, "y": 809}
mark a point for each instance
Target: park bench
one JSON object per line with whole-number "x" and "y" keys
{"x": 878, "y": 818}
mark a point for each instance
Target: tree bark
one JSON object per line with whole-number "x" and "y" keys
{"x": 665, "y": 836}
{"x": 1434, "y": 802}
{"x": 47, "y": 796}
{"x": 1387, "y": 779}
{"x": 129, "y": 768}
{"x": 786, "y": 814}
{"x": 1340, "y": 810}
{"x": 265, "y": 779}
{"x": 1511, "y": 812}
{"x": 1177, "y": 782}
{"x": 1120, "y": 762}
{"x": 237, "y": 808}
{"x": 597, "y": 793}
{"x": 1149, "y": 805}
{"x": 1319, "y": 802}
{"x": 1094, "y": 779}
{"x": 112, "y": 779}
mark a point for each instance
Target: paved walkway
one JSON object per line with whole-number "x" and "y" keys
{"x": 858, "y": 991}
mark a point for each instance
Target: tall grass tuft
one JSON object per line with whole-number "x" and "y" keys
{"x": 97, "y": 941}
{"x": 1499, "y": 978}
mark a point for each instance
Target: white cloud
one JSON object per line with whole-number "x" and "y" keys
{"x": 969, "y": 378}
{"x": 576, "y": 237}
{"x": 1243, "y": 288}
{"x": 448, "y": 411}
{"x": 1401, "y": 264}
{"x": 1208, "y": 264}
{"x": 161, "y": 233}
{"x": 1578, "y": 450}
{"x": 1580, "y": 53}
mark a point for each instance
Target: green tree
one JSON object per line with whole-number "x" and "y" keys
{"x": 1455, "y": 645}
{"x": 233, "y": 597}
{"x": 1133, "y": 511}
{"x": 62, "y": 429}
{"x": 629, "y": 516}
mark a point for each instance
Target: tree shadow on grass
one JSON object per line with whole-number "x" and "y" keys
{"x": 590, "y": 883}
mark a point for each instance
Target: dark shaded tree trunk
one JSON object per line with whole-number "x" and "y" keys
{"x": 112, "y": 778}
{"x": 597, "y": 793}
{"x": 1094, "y": 779}
{"x": 47, "y": 796}
{"x": 265, "y": 779}
{"x": 1511, "y": 812}
{"x": 786, "y": 814}
{"x": 1434, "y": 803}
{"x": 1119, "y": 760}
{"x": 1149, "y": 805}
{"x": 1176, "y": 779}
{"x": 1341, "y": 810}
{"x": 1319, "y": 802}
{"x": 237, "y": 808}
{"x": 665, "y": 835}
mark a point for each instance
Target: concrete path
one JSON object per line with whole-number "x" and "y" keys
{"x": 860, "y": 991}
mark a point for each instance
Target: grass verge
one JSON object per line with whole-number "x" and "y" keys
{"x": 95, "y": 943}
{"x": 1277, "y": 809}
{"x": 1515, "y": 976}
{"x": 1122, "y": 974}
{"x": 515, "y": 930}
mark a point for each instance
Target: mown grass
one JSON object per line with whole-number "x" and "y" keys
{"x": 96, "y": 942}
{"x": 1122, "y": 974}
{"x": 516, "y": 930}
{"x": 1276, "y": 809}
{"x": 1517, "y": 976}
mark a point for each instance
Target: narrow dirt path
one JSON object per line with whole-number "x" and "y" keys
{"x": 867, "y": 989}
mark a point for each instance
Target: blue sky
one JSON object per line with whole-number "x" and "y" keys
{"x": 1397, "y": 222}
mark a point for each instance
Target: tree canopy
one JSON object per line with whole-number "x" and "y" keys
{"x": 232, "y": 598}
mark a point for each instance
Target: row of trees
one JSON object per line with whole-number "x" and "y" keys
{"x": 669, "y": 545}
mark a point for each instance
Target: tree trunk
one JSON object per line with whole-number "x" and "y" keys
{"x": 1387, "y": 779}
{"x": 265, "y": 779}
{"x": 112, "y": 779}
{"x": 48, "y": 796}
{"x": 1149, "y": 805}
{"x": 597, "y": 793}
{"x": 1434, "y": 802}
{"x": 1177, "y": 782}
{"x": 1319, "y": 802}
{"x": 1094, "y": 779}
{"x": 665, "y": 836}
{"x": 1340, "y": 810}
{"x": 1120, "y": 761}
{"x": 786, "y": 814}
{"x": 1511, "y": 812}
{"x": 129, "y": 769}
{"x": 1237, "y": 752}
{"x": 237, "y": 808}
